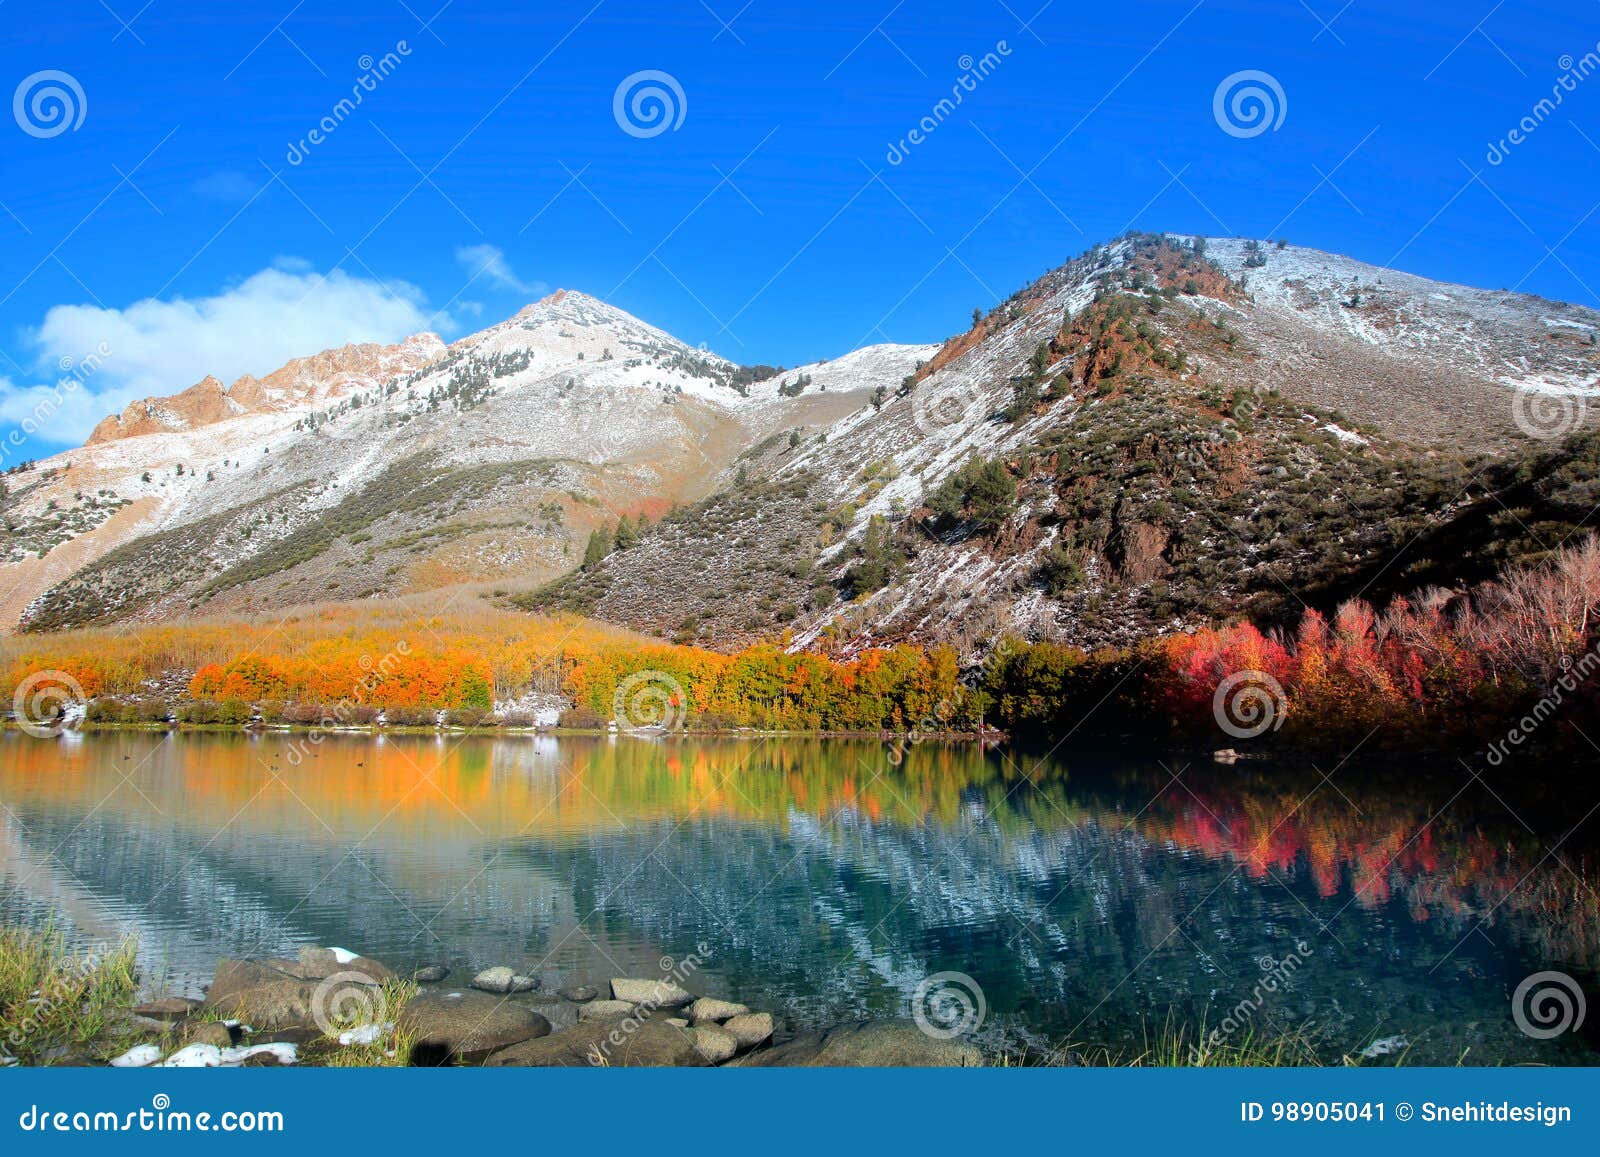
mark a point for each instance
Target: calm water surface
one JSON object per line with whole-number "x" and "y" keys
{"x": 1089, "y": 899}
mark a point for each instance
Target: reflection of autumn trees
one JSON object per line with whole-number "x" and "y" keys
{"x": 1469, "y": 861}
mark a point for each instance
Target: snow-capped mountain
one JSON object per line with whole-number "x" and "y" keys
{"x": 1162, "y": 431}
{"x": 1173, "y": 432}
{"x": 488, "y": 460}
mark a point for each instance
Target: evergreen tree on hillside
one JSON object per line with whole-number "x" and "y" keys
{"x": 599, "y": 546}
{"x": 627, "y": 534}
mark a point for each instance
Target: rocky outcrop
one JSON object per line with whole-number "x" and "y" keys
{"x": 466, "y": 1027}
{"x": 876, "y": 1043}
{"x": 608, "y": 1044}
{"x": 302, "y": 383}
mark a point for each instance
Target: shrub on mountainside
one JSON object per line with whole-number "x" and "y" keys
{"x": 982, "y": 493}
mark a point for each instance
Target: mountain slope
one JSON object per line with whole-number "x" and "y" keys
{"x": 1160, "y": 433}
{"x": 485, "y": 461}
{"x": 1163, "y": 431}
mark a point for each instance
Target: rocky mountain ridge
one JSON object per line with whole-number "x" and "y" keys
{"x": 1163, "y": 431}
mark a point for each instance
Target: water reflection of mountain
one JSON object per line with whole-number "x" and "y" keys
{"x": 821, "y": 891}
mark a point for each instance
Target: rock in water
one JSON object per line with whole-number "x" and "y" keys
{"x": 750, "y": 1028}
{"x": 708, "y": 1008}
{"x": 502, "y": 979}
{"x": 714, "y": 1044}
{"x": 466, "y": 1026}
{"x": 649, "y": 1044}
{"x": 657, "y": 993}
{"x": 579, "y": 993}
{"x": 877, "y": 1043}
{"x": 430, "y": 974}
{"x": 605, "y": 1010}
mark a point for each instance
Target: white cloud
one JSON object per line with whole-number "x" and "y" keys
{"x": 161, "y": 347}
{"x": 228, "y": 186}
{"x": 490, "y": 261}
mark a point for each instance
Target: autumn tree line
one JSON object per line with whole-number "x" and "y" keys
{"x": 1509, "y": 663}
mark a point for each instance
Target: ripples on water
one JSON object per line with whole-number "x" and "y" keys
{"x": 1090, "y": 901}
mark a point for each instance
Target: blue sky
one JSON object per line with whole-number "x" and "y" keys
{"x": 188, "y": 224}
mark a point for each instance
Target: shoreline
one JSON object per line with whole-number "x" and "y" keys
{"x": 988, "y": 736}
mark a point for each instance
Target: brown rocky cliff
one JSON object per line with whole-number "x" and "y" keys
{"x": 322, "y": 377}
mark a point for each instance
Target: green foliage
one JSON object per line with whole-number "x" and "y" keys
{"x": 599, "y": 546}
{"x": 982, "y": 494}
{"x": 53, "y": 999}
{"x": 1060, "y": 570}
{"x": 627, "y": 534}
{"x": 880, "y": 557}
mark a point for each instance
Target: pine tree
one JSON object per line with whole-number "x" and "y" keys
{"x": 599, "y": 546}
{"x": 627, "y": 534}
